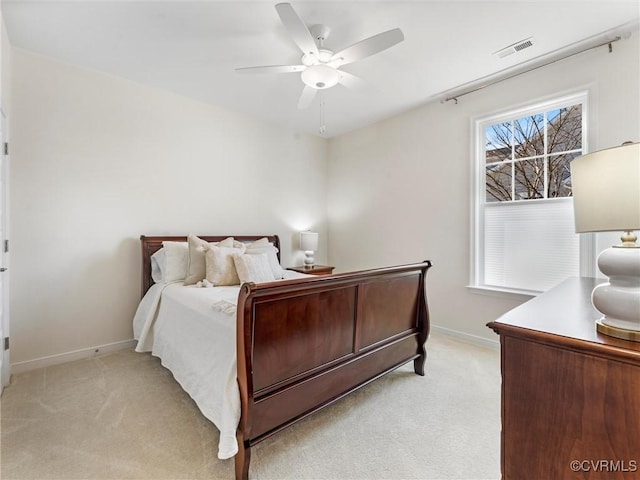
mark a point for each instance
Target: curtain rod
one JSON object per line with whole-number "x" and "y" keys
{"x": 488, "y": 84}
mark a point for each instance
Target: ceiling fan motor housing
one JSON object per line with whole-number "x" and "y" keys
{"x": 323, "y": 56}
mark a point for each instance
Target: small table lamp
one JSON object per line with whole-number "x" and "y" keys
{"x": 606, "y": 197}
{"x": 308, "y": 243}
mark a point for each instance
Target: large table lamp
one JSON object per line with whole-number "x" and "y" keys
{"x": 606, "y": 197}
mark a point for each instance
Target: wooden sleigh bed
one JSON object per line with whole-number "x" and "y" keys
{"x": 305, "y": 343}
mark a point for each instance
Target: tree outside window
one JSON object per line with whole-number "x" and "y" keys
{"x": 528, "y": 158}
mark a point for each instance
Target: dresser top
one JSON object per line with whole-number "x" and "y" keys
{"x": 564, "y": 315}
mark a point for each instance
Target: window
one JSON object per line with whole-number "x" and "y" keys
{"x": 524, "y": 237}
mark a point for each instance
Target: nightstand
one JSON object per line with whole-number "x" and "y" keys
{"x": 313, "y": 269}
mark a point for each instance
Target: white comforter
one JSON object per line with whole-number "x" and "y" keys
{"x": 196, "y": 340}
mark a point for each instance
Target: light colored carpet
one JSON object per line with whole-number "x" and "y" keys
{"x": 123, "y": 416}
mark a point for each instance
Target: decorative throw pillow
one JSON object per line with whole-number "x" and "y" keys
{"x": 176, "y": 257}
{"x": 196, "y": 263}
{"x": 263, "y": 246}
{"x": 253, "y": 268}
{"x": 220, "y": 269}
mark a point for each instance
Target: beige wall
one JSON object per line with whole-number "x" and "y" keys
{"x": 399, "y": 191}
{"x": 97, "y": 161}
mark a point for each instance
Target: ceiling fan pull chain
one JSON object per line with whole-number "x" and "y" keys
{"x": 323, "y": 128}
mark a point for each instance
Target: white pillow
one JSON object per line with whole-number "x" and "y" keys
{"x": 263, "y": 246}
{"x": 253, "y": 268}
{"x": 196, "y": 270}
{"x": 158, "y": 266}
{"x": 220, "y": 269}
{"x": 176, "y": 258}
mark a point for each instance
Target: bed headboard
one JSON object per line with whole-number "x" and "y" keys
{"x": 151, "y": 245}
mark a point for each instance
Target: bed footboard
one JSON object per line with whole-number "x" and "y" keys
{"x": 303, "y": 344}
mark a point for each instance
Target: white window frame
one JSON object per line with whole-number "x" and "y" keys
{"x": 478, "y": 190}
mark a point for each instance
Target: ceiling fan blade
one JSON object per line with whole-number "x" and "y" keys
{"x": 273, "y": 69}
{"x": 297, "y": 29}
{"x": 307, "y": 96}
{"x": 368, "y": 46}
{"x": 351, "y": 81}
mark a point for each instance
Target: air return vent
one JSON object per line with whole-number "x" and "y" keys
{"x": 516, "y": 47}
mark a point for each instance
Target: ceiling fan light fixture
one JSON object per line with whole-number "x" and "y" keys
{"x": 320, "y": 77}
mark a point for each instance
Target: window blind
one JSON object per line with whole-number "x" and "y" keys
{"x": 530, "y": 245}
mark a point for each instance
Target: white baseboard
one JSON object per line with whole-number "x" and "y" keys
{"x": 466, "y": 337}
{"x": 60, "y": 358}
{"x": 28, "y": 365}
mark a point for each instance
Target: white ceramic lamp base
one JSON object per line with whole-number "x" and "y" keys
{"x": 308, "y": 258}
{"x": 619, "y": 299}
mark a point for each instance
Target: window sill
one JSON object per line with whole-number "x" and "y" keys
{"x": 501, "y": 291}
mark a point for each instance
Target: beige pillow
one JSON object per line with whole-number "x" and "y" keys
{"x": 220, "y": 269}
{"x": 197, "y": 266}
{"x": 263, "y": 246}
{"x": 253, "y": 268}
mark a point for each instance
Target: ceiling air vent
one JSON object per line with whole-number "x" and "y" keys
{"x": 516, "y": 47}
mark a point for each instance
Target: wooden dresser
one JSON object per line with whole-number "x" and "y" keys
{"x": 570, "y": 395}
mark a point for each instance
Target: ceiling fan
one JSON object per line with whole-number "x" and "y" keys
{"x": 320, "y": 67}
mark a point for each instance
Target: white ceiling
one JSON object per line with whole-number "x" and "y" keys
{"x": 192, "y": 48}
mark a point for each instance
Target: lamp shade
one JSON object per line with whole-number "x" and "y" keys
{"x": 309, "y": 241}
{"x": 606, "y": 189}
